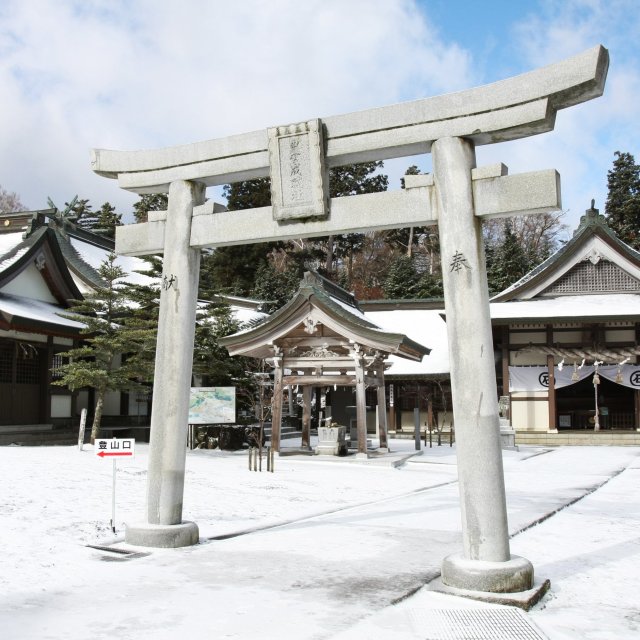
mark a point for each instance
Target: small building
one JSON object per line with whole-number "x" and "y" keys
{"x": 321, "y": 340}
{"x": 572, "y": 321}
{"x": 45, "y": 262}
{"x": 567, "y": 341}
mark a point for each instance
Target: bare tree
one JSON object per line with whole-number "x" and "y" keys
{"x": 10, "y": 202}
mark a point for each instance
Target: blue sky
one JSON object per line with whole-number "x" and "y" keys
{"x": 150, "y": 73}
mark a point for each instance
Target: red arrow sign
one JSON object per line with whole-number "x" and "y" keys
{"x": 104, "y": 454}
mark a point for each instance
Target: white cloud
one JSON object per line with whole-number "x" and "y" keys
{"x": 149, "y": 73}
{"x": 585, "y": 137}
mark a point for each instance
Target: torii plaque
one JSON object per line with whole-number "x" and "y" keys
{"x": 456, "y": 197}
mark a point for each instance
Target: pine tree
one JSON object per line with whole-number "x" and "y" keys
{"x": 274, "y": 287}
{"x": 144, "y": 309}
{"x": 107, "y": 221}
{"x": 233, "y": 269}
{"x": 506, "y": 262}
{"x": 110, "y": 358}
{"x": 149, "y": 202}
{"x": 351, "y": 180}
{"x": 429, "y": 286}
{"x": 402, "y": 279}
{"x": 406, "y": 237}
{"x": 210, "y": 360}
{"x": 622, "y": 208}
{"x": 81, "y": 210}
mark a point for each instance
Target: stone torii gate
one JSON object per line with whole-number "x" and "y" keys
{"x": 456, "y": 197}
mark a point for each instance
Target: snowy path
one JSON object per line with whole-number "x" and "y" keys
{"x": 319, "y": 575}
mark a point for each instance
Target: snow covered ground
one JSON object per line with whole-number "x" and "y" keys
{"x": 354, "y": 539}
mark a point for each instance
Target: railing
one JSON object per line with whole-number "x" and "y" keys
{"x": 614, "y": 420}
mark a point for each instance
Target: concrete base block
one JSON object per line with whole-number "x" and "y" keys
{"x": 510, "y": 576}
{"x": 362, "y": 456}
{"x": 382, "y": 449}
{"x": 165, "y": 536}
{"x": 521, "y": 599}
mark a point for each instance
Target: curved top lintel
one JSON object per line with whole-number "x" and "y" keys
{"x": 373, "y": 133}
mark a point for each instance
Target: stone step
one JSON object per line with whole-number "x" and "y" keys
{"x": 579, "y": 438}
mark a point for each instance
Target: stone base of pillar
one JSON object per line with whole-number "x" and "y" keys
{"x": 522, "y": 599}
{"x": 165, "y": 536}
{"x": 382, "y": 449}
{"x": 510, "y": 576}
{"x": 362, "y": 456}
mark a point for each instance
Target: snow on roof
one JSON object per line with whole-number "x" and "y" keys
{"x": 244, "y": 315}
{"x": 590, "y": 306}
{"x": 95, "y": 256}
{"x": 5, "y": 264}
{"x": 8, "y": 241}
{"x": 424, "y": 326}
{"x": 350, "y": 308}
{"x": 35, "y": 310}
{"x": 427, "y": 327}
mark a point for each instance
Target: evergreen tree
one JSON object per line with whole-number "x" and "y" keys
{"x": 210, "y": 360}
{"x": 351, "y": 180}
{"x": 622, "y": 208}
{"x": 429, "y": 286}
{"x": 233, "y": 269}
{"x": 274, "y": 287}
{"x": 407, "y": 237}
{"x": 149, "y": 202}
{"x": 248, "y": 194}
{"x": 143, "y": 312}
{"x": 81, "y": 210}
{"x": 507, "y": 262}
{"x": 97, "y": 363}
{"x": 402, "y": 279}
{"x": 107, "y": 221}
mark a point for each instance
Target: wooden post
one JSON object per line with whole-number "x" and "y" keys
{"x": 553, "y": 420}
{"x": 361, "y": 405}
{"x": 306, "y": 417}
{"x": 276, "y": 404}
{"x": 382, "y": 410}
{"x": 392, "y": 408}
{"x": 505, "y": 361}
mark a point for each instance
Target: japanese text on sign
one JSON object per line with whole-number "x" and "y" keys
{"x": 115, "y": 447}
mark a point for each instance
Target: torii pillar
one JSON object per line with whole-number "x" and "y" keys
{"x": 486, "y": 563}
{"x": 456, "y": 197}
{"x": 174, "y": 353}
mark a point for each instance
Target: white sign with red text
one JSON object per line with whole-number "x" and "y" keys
{"x": 115, "y": 448}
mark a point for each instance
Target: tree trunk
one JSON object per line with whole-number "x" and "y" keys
{"x": 97, "y": 416}
{"x": 329, "y": 263}
{"x": 410, "y": 243}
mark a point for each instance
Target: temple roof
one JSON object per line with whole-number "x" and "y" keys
{"x": 594, "y": 261}
{"x": 320, "y": 311}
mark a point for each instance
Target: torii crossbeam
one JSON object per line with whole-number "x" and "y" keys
{"x": 456, "y": 197}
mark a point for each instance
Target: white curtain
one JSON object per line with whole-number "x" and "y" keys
{"x": 537, "y": 378}
{"x": 629, "y": 374}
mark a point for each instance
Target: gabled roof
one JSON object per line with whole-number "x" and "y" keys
{"x": 42, "y": 249}
{"x": 319, "y": 302}
{"x": 594, "y": 261}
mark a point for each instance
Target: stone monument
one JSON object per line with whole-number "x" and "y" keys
{"x": 457, "y": 197}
